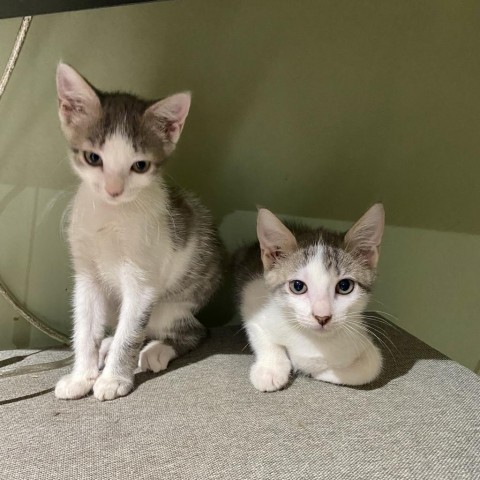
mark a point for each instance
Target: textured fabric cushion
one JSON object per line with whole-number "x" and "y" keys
{"x": 202, "y": 419}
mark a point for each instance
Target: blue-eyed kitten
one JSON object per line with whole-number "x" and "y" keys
{"x": 302, "y": 297}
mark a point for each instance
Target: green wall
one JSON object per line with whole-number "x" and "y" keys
{"x": 313, "y": 108}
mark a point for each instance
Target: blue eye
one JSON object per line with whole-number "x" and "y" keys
{"x": 141, "y": 167}
{"x": 345, "y": 286}
{"x": 297, "y": 287}
{"x": 93, "y": 159}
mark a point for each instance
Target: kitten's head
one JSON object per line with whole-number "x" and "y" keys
{"x": 118, "y": 141}
{"x": 321, "y": 279}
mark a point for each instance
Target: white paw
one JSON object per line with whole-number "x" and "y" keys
{"x": 268, "y": 378}
{"x": 72, "y": 386}
{"x": 108, "y": 387}
{"x": 156, "y": 356}
{"x": 103, "y": 352}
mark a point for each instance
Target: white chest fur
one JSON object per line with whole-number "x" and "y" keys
{"x": 108, "y": 239}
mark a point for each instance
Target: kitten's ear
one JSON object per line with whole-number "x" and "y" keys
{"x": 366, "y": 235}
{"x": 78, "y": 104}
{"x": 168, "y": 116}
{"x": 276, "y": 240}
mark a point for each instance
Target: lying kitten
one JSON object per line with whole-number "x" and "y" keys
{"x": 303, "y": 308}
{"x": 146, "y": 256}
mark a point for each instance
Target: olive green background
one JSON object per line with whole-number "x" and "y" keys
{"x": 313, "y": 108}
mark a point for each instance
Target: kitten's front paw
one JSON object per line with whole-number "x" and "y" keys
{"x": 72, "y": 386}
{"x": 156, "y": 356}
{"x": 108, "y": 387}
{"x": 268, "y": 378}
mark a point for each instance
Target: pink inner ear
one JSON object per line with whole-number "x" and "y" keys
{"x": 73, "y": 111}
{"x": 370, "y": 255}
{"x": 173, "y": 128}
{"x": 66, "y": 107}
{"x": 67, "y": 111}
{"x": 367, "y": 253}
{"x": 273, "y": 255}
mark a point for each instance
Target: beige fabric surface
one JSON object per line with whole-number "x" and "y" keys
{"x": 201, "y": 419}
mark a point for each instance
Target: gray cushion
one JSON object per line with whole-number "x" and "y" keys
{"x": 202, "y": 419}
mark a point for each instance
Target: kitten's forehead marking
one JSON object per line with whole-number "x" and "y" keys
{"x": 120, "y": 113}
{"x": 323, "y": 259}
{"x": 316, "y": 274}
{"x": 124, "y": 114}
{"x": 332, "y": 258}
{"x": 117, "y": 153}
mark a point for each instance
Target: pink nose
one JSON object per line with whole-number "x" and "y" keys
{"x": 114, "y": 184}
{"x": 114, "y": 191}
{"x": 323, "y": 320}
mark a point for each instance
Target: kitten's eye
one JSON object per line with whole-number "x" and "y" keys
{"x": 345, "y": 286}
{"x": 297, "y": 287}
{"x": 93, "y": 159}
{"x": 141, "y": 167}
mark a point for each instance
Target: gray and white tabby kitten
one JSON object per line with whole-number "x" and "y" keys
{"x": 146, "y": 256}
{"x": 302, "y": 297}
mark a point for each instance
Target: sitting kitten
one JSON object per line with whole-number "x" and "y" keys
{"x": 146, "y": 256}
{"x": 303, "y": 309}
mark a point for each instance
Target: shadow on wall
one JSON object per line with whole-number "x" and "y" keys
{"x": 222, "y": 96}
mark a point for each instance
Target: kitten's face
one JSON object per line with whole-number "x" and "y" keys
{"x": 323, "y": 283}
{"x": 322, "y": 291}
{"x": 118, "y": 141}
{"x": 115, "y": 171}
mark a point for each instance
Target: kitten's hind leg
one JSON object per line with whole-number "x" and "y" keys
{"x": 103, "y": 352}
{"x": 174, "y": 331}
{"x": 156, "y": 356}
{"x": 365, "y": 369}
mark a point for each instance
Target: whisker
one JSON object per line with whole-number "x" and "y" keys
{"x": 351, "y": 337}
{"x": 364, "y": 340}
{"x": 386, "y": 313}
{"x": 379, "y": 331}
{"x": 376, "y": 332}
{"x": 383, "y": 343}
{"x": 385, "y": 322}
